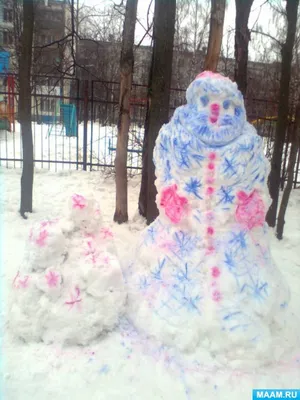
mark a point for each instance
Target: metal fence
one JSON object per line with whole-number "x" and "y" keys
{"x": 75, "y": 123}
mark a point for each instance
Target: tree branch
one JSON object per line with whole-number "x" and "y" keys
{"x": 267, "y": 35}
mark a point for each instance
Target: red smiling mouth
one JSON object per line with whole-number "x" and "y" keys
{"x": 214, "y": 113}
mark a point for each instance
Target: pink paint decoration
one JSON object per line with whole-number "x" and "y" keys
{"x": 106, "y": 233}
{"x": 212, "y": 156}
{"x": 250, "y": 211}
{"x": 166, "y": 245}
{"x": 106, "y": 260}
{"x": 52, "y": 279}
{"x": 41, "y": 240}
{"x": 20, "y": 283}
{"x": 24, "y": 282}
{"x": 89, "y": 235}
{"x": 91, "y": 252}
{"x": 175, "y": 206}
{"x": 210, "y": 215}
{"x": 216, "y": 296}
{"x": 214, "y": 113}
{"x": 79, "y": 201}
{"x": 210, "y": 180}
{"x": 215, "y": 271}
{"x": 74, "y": 298}
{"x": 209, "y": 74}
{"x": 210, "y": 190}
{"x": 211, "y": 166}
{"x": 210, "y": 230}
{"x": 210, "y": 249}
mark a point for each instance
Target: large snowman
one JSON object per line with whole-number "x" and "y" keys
{"x": 202, "y": 273}
{"x": 69, "y": 288}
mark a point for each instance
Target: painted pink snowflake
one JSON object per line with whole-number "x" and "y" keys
{"x": 41, "y": 240}
{"x": 250, "y": 210}
{"x": 106, "y": 233}
{"x": 43, "y": 224}
{"x": 52, "y": 279}
{"x": 75, "y": 298}
{"x": 175, "y": 206}
{"x": 20, "y": 283}
{"x": 79, "y": 201}
{"x": 91, "y": 252}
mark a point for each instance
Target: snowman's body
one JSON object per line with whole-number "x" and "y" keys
{"x": 203, "y": 272}
{"x": 70, "y": 288}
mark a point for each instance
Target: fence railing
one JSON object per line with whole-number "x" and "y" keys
{"x": 75, "y": 122}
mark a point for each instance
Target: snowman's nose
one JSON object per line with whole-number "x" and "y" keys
{"x": 214, "y": 113}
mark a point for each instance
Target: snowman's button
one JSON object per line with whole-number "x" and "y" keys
{"x": 210, "y": 190}
{"x": 210, "y": 180}
{"x": 215, "y": 271}
{"x": 212, "y": 156}
{"x": 210, "y": 230}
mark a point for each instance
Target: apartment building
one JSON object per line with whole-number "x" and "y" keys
{"x": 52, "y": 23}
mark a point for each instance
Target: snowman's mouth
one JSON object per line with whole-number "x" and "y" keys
{"x": 211, "y": 128}
{"x": 218, "y": 136}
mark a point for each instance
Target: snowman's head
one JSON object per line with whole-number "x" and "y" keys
{"x": 215, "y": 109}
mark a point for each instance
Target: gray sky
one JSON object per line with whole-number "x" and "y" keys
{"x": 261, "y": 15}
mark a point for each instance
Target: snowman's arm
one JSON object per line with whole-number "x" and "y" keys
{"x": 162, "y": 158}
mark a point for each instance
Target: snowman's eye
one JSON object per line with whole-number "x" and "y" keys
{"x": 204, "y": 100}
{"x": 237, "y": 111}
{"x": 226, "y": 104}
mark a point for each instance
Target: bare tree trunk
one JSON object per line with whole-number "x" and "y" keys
{"x": 283, "y": 109}
{"x": 242, "y": 37}
{"x": 25, "y": 107}
{"x": 126, "y": 71}
{"x": 290, "y": 174}
{"x": 215, "y": 34}
{"x": 158, "y": 99}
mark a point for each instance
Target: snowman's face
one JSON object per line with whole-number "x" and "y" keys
{"x": 215, "y": 113}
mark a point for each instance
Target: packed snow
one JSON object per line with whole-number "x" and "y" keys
{"x": 122, "y": 364}
{"x": 55, "y": 151}
{"x": 69, "y": 288}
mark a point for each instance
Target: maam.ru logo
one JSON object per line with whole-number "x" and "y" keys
{"x": 276, "y": 394}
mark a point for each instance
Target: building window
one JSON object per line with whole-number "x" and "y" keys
{"x": 7, "y": 38}
{"x": 48, "y": 105}
{"x": 7, "y": 15}
{"x": 46, "y": 39}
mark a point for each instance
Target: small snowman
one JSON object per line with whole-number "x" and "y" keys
{"x": 71, "y": 289}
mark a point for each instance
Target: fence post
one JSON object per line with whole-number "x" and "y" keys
{"x": 85, "y": 122}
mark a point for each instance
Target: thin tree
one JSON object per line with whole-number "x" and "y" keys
{"x": 283, "y": 109}
{"x": 290, "y": 174}
{"x": 158, "y": 99}
{"x": 25, "y": 107}
{"x": 215, "y": 34}
{"x": 242, "y": 37}
{"x": 126, "y": 71}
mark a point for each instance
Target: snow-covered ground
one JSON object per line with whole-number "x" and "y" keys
{"x": 122, "y": 365}
{"x": 55, "y": 151}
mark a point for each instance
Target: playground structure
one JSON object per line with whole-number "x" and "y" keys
{"x": 65, "y": 117}
{"x": 7, "y": 103}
